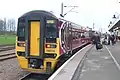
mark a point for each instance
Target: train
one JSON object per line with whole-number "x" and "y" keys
{"x": 43, "y": 39}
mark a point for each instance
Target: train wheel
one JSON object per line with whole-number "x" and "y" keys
{"x": 71, "y": 52}
{"x": 68, "y": 54}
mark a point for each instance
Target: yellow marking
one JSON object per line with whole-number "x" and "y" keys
{"x": 50, "y": 50}
{"x": 34, "y": 70}
{"x": 35, "y": 38}
{"x": 53, "y": 63}
{"x": 18, "y": 48}
{"x": 23, "y": 62}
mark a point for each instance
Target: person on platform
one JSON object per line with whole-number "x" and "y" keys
{"x": 113, "y": 39}
{"x": 104, "y": 41}
{"x": 109, "y": 39}
{"x": 96, "y": 40}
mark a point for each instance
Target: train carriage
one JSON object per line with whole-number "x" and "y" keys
{"x": 42, "y": 39}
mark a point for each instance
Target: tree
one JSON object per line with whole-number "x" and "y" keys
{"x": 1, "y": 26}
{"x": 4, "y": 26}
{"x": 11, "y": 25}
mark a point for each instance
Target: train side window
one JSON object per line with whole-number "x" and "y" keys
{"x": 76, "y": 34}
{"x": 87, "y": 34}
{"x": 83, "y": 35}
{"x": 79, "y": 34}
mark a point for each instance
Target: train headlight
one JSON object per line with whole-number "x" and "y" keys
{"x": 51, "y": 46}
{"x": 32, "y": 65}
{"x": 47, "y": 45}
{"x": 41, "y": 66}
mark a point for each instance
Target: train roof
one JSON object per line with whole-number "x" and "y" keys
{"x": 75, "y": 25}
{"x": 46, "y": 13}
{"x": 39, "y": 13}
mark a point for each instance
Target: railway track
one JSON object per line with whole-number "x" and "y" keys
{"x": 33, "y": 76}
{"x": 6, "y": 45}
{"x": 5, "y": 48}
{"x": 5, "y": 55}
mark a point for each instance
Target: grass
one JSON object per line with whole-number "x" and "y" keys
{"x": 7, "y": 39}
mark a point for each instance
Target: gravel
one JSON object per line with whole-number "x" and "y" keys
{"x": 10, "y": 70}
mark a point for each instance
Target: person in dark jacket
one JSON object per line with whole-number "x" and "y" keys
{"x": 93, "y": 39}
{"x": 113, "y": 39}
{"x": 96, "y": 40}
{"x": 109, "y": 38}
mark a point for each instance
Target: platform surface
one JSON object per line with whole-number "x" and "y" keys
{"x": 100, "y": 65}
{"x": 66, "y": 71}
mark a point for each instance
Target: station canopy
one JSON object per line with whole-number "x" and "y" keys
{"x": 114, "y": 25}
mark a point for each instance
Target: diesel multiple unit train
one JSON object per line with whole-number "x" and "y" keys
{"x": 42, "y": 39}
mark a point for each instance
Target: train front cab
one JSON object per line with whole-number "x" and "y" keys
{"x": 37, "y": 44}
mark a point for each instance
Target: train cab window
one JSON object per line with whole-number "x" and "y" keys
{"x": 51, "y": 32}
{"x": 21, "y": 32}
{"x": 51, "y": 29}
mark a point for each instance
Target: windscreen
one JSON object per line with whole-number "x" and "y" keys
{"x": 51, "y": 29}
{"x": 21, "y": 31}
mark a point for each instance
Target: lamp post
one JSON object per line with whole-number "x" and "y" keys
{"x": 62, "y": 8}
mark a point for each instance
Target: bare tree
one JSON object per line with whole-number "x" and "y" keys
{"x": 4, "y": 26}
{"x": 1, "y": 26}
{"x": 11, "y": 25}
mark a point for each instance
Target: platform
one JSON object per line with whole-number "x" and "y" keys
{"x": 101, "y": 65}
{"x": 90, "y": 64}
{"x": 66, "y": 71}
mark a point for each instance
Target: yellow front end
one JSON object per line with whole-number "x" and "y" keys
{"x": 54, "y": 53}
{"x": 19, "y": 49}
{"x": 50, "y": 55}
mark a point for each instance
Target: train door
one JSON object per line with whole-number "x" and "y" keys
{"x": 64, "y": 36}
{"x": 35, "y": 38}
{"x": 70, "y": 39}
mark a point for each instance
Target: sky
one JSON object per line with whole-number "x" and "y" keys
{"x": 99, "y": 12}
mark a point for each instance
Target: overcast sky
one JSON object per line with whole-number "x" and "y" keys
{"x": 98, "y": 11}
